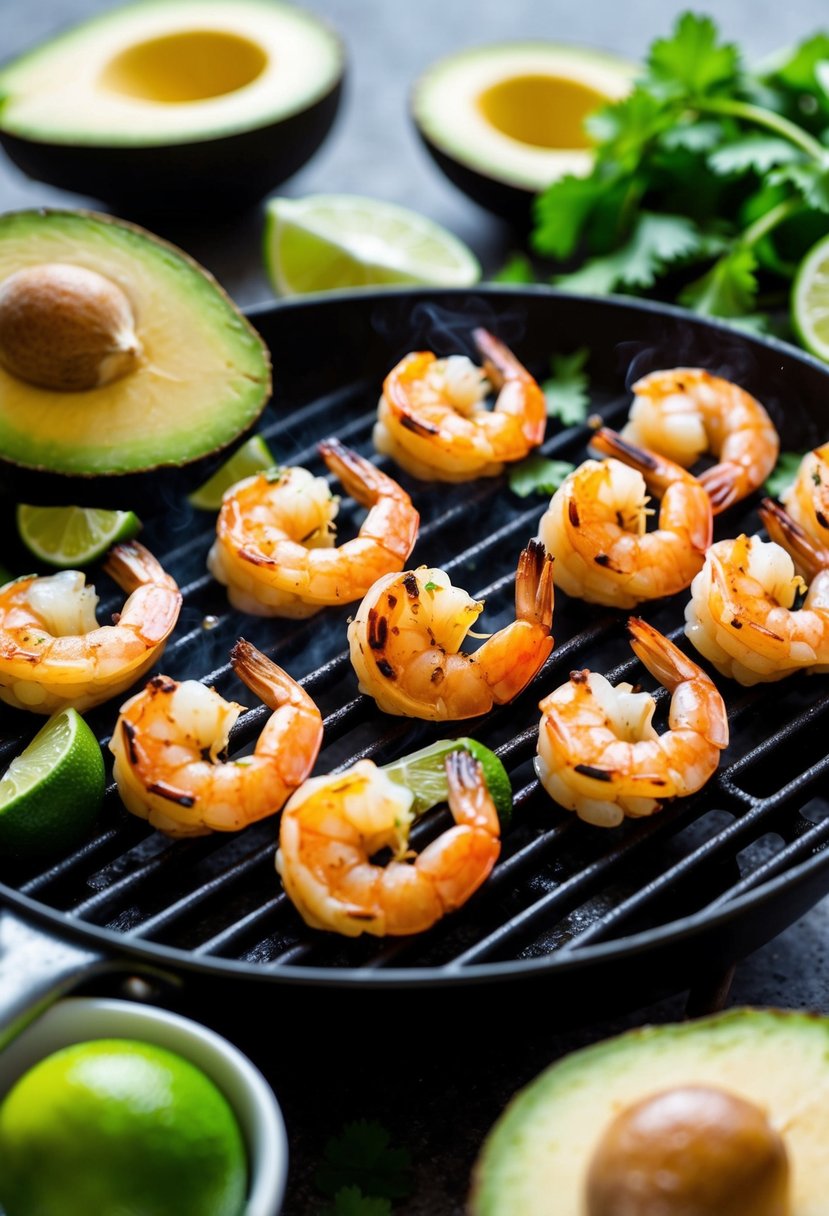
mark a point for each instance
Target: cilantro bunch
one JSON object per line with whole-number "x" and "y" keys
{"x": 709, "y": 184}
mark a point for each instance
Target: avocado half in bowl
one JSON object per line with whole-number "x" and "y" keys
{"x": 503, "y": 121}
{"x": 724, "y": 1116}
{"x": 123, "y": 364}
{"x": 167, "y": 105}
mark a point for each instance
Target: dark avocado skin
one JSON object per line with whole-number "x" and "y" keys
{"x": 512, "y": 203}
{"x": 215, "y": 176}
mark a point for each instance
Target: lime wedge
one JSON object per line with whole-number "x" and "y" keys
{"x": 424, "y": 773}
{"x": 810, "y": 300}
{"x": 327, "y": 242}
{"x": 51, "y": 793}
{"x": 71, "y": 537}
{"x": 252, "y": 457}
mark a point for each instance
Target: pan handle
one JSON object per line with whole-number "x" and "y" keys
{"x": 36, "y": 967}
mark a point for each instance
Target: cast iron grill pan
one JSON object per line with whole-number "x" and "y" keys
{"x": 700, "y": 883}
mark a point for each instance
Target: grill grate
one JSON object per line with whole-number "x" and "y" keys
{"x": 559, "y": 885}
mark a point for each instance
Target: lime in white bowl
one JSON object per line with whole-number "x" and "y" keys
{"x": 81, "y": 1020}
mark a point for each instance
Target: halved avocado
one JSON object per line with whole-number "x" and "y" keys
{"x": 166, "y": 105}
{"x": 200, "y": 380}
{"x": 504, "y": 121}
{"x": 536, "y": 1159}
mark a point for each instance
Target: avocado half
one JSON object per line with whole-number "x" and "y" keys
{"x": 536, "y": 1158}
{"x": 170, "y": 105}
{"x": 504, "y": 121}
{"x": 201, "y": 380}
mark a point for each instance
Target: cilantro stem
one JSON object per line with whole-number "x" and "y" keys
{"x": 763, "y": 118}
{"x": 776, "y": 215}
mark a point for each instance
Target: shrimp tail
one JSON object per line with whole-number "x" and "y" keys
{"x": 469, "y": 798}
{"x": 264, "y": 678}
{"x": 723, "y": 485}
{"x": 534, "y": 586}
{"x": 697, "y": 704}
{"x": 131, "y": 566}
{"x": 501, "y": 366}
{"x": 806, "y": 552}
{"x": 665, "y": 661}
{"x": 361, "y": 479}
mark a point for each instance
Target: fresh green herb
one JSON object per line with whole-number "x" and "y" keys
{"x": 566, "y": 389}
{"x": 783, "y": 473}
{"x": 517, "y": 269}
{"x": 350, "y": 1201}
{"x": 537, "y": 475}
{"x": 430, "y": 586}
{"x": 707, "y": 180}
{"x": 362, "y": 1158}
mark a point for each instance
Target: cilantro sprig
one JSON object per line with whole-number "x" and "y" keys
{"x": 362, "y": 1173}
{"x": 698, "y": 175}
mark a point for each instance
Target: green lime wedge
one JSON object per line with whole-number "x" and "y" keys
{"x": 330, "y": 242}
{"x": 810, "y": 300}
{"x": 252, "y": 457}
{"x": 51, "y": 793}
{"x": 424, "y": 773}
{"x": 71, "y": 537}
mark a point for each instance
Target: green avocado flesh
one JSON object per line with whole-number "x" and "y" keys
{"x": 170, "y": 71}
{"x": 203, "y": 376}
{"x": 535, "y": 1159}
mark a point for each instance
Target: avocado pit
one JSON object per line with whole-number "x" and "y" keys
{"x": 689, "y": 1151}
{"x": 66, "y": 328}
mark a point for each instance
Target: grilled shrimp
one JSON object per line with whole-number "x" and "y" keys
{"x": 275, "y": 536}
{"x": 741, "y": 615}
{"x": 170, "y": 738}
{"x": 598, "y": 752}
{"x": 807, "y": 499}
{"x": 433, "y": 421}
{"x": 596, "y": 524}
{"x": 333, "y": 826}
{"x": 685, "y": 412}
{"x": 406, "y": 637}
{"x": 53, "y": 652}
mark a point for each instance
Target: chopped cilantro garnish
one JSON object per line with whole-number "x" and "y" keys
{"x": 537, "y": 475}
{"x": 361, "y": 1158}
{"x": 783, "y": 473}
{"x": 566, "y": 389}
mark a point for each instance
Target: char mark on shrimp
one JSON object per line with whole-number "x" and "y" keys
{"x": 163, "y": 684}
{"x": 411, "y": 585}
{"x": 129, "y": 737}
{"x": 598, "y": 774}
{"x": 255, "y": 557}
{"x": 378, "y": 630}
{"x": 419, "y": 428}
{"x": 171, "y": 794}
{"x": 385, "y": 668}
{"x": 573, "y": 512}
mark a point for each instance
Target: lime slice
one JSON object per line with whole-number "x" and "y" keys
{"x": 424, "y": 773}
{"x": 810, "y": 300}
{"x": 326, "y": 242}
{"x": 119, "y": 1126}
{"x": 252, "y": 457}
{"x": 51, "y": 793}
{"x": 71, "y": 537}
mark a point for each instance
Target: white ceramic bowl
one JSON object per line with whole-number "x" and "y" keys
{"x": 78, "y": 1019}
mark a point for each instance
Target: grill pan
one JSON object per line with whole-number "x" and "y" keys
{"x": 569, "y": 909}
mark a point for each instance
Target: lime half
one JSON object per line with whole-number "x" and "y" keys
{"x": 71, "y": 537}
{"x": 424, "y": 773}
{"x": 326, "y": 242}
{"x": 51, "y": 793}
{"x": 810, "y": 300}
{"x": 252, "y": 457}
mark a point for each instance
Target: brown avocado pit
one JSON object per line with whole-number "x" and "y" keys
{"x": 690, "y": 1151}
{"x": 66, "y": 328}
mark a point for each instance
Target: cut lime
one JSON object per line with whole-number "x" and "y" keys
{"x": 71, "y": 537}
{"x": 424, "y": 773}
{"x": 51, "y": 793}
{"x": 252, "y": 457}
{"x": 326, "y": 242}
{"x": 810, "y": 300}
{"x": 116, "y": 1126}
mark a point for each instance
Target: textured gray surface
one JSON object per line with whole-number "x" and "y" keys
{"x": 439, "y": 1109}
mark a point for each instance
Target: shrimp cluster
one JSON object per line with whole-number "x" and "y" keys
{"x": 433, "y": 421}
{"x": 686, "y": 412}
{"x": 596, "y": 526}
{"x": 741, "y": 615}
{"x": 406, "y": 636}
{"x": 807, "y": 499}
{"x": 333, "y": 826}
{"x": 275, "y": 537}
{"x": 170, "y": 739}
{"x": 53, "y": 652}
{"x": 598, "y": 752}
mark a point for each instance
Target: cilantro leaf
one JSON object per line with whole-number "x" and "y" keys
{"x": 692, "y": 136}
{"x": 537, "y": 475}
{"x": 799, "y": 71}
{"x": 728, "y": 289}
{"x": 692, "y": 62}
{"x": 810, "y": 180}
{"x": 625, "y": 129}
{"x": 350, "y": 1201}
{"x": 566, "y": 390}
{"x": 757, "y": 153}
{"x": 783, "y": 473}
{"x": 654, "y": 244}
{"x": 517, "y": 269}
{"x": 362, "y": 1157}
{"x": 561, "y": 213}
